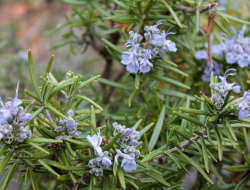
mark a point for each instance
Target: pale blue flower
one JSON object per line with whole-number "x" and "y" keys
{"x": 201, "y": 54}
{"x": 145, "y": 64}
{"x": 209, "y": 69}
{"x": 243, "y": 106}
{"x": 128, "y": 163}
{"x": 5, "y": 111}
{"x": 231, "y": 86}
{"x": 106, "y": 162}
{"x": 28, "y": 117}
{"x": 129, "y": 58}
{"x": 70, "y": 114}
{"x": 96, "y": 141}
{"x": 168, "y": 44}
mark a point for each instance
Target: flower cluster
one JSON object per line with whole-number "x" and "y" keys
{"x": 102, "y": 161}
{"x": 127, "y": 141}
{"x": 237, "y": 49}
{"x": 125, "y": 149}
{"x": 99, "y": 164}
{"x": 67, "y": 129}
{"x": 12, "y": 120}
{"x": 222, "y": 89}
{"x": 139, "y": 56}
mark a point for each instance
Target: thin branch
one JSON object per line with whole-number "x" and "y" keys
{"x": 175, "y": 149}
{"x": 192, "y": 10}
{"x": 209, "y": 29}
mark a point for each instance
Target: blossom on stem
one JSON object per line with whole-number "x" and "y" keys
{"x": 5, "y": 111}
{"x": 228, "y": 86}
{"x": 128, "y": 163}
{"x": 145, "y": 64}
{"x": 168, "y": 44}
{"x": 129, "y": 58}
{"x": 96, "y": 141}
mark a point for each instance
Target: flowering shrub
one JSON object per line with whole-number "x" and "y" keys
{"x": 170, "y": 112}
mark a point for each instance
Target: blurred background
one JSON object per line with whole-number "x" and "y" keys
{"x": 39, "y": 25}
{"x": 27, "y": 24}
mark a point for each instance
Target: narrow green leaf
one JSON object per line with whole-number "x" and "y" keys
{"x": 39, "y": 155}
{"x": 194, "y": 111}
{"x": 170, "y": 81}
{"x": 172, "y": 13}
{"x": 3, "y": 149}
{"x": 33, "y": 180}
{"x": 171, "y": 68}
{"x": 237, "y": 168}
{"x": 52, "y": 109}
{"x": 157, "y": 130}
{"x": 36, "y": 146}
{"x": 115, "y": 84}
{"x": 115, "y": 167}
{"x": 43, "y": 140}
{"x": 121, "y": 177}
{"x": 219, "y": 142}
{"x": 191, "y": 119}
{"x": 82, "y": 157}
{"x": 90, "y": 101}
{"x": 33, "y": 75}
{"x": 133, "y": 95}
{"x": 5, "y": 161}
{"x": 85, "y": 144}
{"x": 229, "y": 17}
{"x": 60, "y": 87}
{"x": 230, "y": 129}
{"x": 137, "y": 124}
{"x": 158, "y": 178}
{"x": 83, "y": 84}
{"x": 112, "y": 46}
{"x": 131, "y": 181}
{"x": 194, "y": 164}
{"x": 205, "y": 156}
{"x": 152, "y": 155}
{"x": 146, "y": 129}
{"x": 10, "y": 175}
{"x": 181, "y": 133}
{"x": 47, "y": 70}
{"x": 112, "y": 142}
{"x": 137, "y": 80}
{"x": 69, "y": 149}
{"x": 48, "y": 167}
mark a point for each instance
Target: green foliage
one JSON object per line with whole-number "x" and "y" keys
{"x": 178, "y": 128}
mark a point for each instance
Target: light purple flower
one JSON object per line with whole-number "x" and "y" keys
{"x": 127, "y": 132}
{"x": 128, "y": 163}
{"x": 129, "y": 58}
{"x": 28, "y": 117}
{"x": 227, "y": 86}
{"x": 71, "y": 124}
{"x": 134, "y": 142}
{"x": 96, "y": 141}
{"x": 145, "y": 64}
{"x": 201, "y": 54}
{"x": 6, "y": 109}
{"x": 209, "y": 69}
{"x": 169, "y": 45}
{"x": 106, "y": 162}
{"x": 243, "y": 112}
